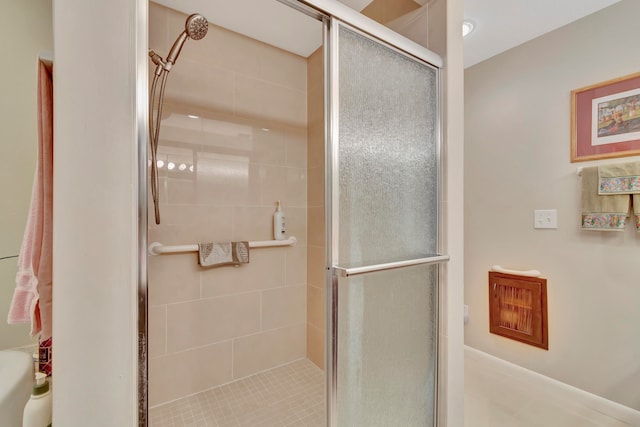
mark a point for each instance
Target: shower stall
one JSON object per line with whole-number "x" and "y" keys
{"x": 340, "y": 328}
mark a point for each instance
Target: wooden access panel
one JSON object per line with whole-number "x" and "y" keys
{"x": 518, "y": 308}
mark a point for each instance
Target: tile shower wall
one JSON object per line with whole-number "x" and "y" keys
{"x": 233, "y": 142}
{"x": 316, "y": 211}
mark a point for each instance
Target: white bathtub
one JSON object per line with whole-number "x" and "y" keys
{"x": 16, "y": 379}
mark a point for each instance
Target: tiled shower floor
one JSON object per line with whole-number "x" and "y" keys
{"x": 290, "y": 395}
{"x": 293, "y": 395}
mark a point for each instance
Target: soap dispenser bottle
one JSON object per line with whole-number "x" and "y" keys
{"x": 278, "y": 223}
{"x": 37, "y": 411}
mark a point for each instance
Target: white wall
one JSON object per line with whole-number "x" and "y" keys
{"x": 453, "y": 110}
{"x": 517, "y": 127}
{"x": 95, "y": 212}
{"x": 18, "y": 139}
{"x": 445, "y": 38}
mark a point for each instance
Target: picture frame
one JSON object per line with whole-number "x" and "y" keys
{"x": 605, "y": 119}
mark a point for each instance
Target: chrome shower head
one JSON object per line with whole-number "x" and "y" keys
{"x": 196, "y": 28}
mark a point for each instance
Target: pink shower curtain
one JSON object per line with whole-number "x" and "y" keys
{"x": 32, "y": 297}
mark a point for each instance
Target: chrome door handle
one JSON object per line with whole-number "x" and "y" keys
{"x": 354, "y": 271}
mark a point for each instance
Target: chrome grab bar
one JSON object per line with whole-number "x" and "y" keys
{"x": 354, "y": 271}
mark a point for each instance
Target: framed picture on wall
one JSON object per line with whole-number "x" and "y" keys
{"x": 605, "y": 119}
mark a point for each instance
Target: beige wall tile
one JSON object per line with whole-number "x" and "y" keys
{"x": 316, "y": 310}
{"x": 175, "y": 23}
{"x": 198, "y": 323}
{"x": 256, "y": 98}
{"x": 315, "y": 146}
{"x": 202, "y": 85}
{"x": 255, "y": 223}
{"x": 249, "y": 149}
{"x": 315, "y": 210}
{"x": 283, "y": 307}
{"x": 226, "y": 134}
{"x": 157, "y": 30}
{"x": 220, "y": 47}
{"x": 157, "y": 330}
{"x": 315, "y": 266}
{"x": 282, "y": 67}
{"x": 225, "y": 180}
{"x": 296, "y": 222}
{"x": 192, "y": 224}
{"x": 234, "y": 51}
{"x": 296, "y": 187}
{"x": 296, "y": 271}
{"x": 315, "y": 69}
{"x": 315, "y": 345}
{"x": 178, "y": 191}
{"x": 175, "y": 136}
{"x": 269, "y": 146}
{"x": 316, "y": 184}
{"x": 176, "y": 117}
{"x": 316, "y": 107}
{"x": 262, "y": 351}
{"x": 316, "y": 226}
{"x": 178, "y": 375}
{"x": 297, "y": 147}
{"x": 173, "y": 278}
{"x": 265, "y": 270}
{"x": 272, "y": 183}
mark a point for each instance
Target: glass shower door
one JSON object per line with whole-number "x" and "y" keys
{"x": 383, "y": 241}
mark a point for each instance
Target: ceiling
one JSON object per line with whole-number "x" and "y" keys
{"x": 269, "y": 21}
{"x": 499, "y": 24}
{"x": 503, "y": 24}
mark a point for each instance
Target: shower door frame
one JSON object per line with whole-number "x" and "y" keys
{"x": 325, "y": 11}
{"x": 332, "y": 199}
{"x": 333, "y": 14}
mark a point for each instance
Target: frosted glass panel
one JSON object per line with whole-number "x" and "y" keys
{"x": 386, "y": 348}
{"x": 386, "y": 149}
{"x": 387, "y": 139}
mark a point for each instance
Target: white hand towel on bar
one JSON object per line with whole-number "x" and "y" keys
{"x": 226, "y": 253}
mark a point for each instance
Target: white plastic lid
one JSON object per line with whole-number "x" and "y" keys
{"x": 41, "y": 377}
{"x": 41, "y": 386}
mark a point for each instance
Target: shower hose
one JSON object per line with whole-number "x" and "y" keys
{"x": 154, "y": 133}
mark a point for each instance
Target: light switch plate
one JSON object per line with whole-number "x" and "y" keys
{"x": 545, "y": 218}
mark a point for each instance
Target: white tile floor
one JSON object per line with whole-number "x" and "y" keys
{"x": 495, "y": 398}
{"x": 290, "y": 395}
{"x": 293, "y": 395}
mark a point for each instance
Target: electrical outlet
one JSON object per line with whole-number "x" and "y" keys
{"x": 466, "y": 314}
{"x": 545, "y": 218}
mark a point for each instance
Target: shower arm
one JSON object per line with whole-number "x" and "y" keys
{"x": 161, "y": 65}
